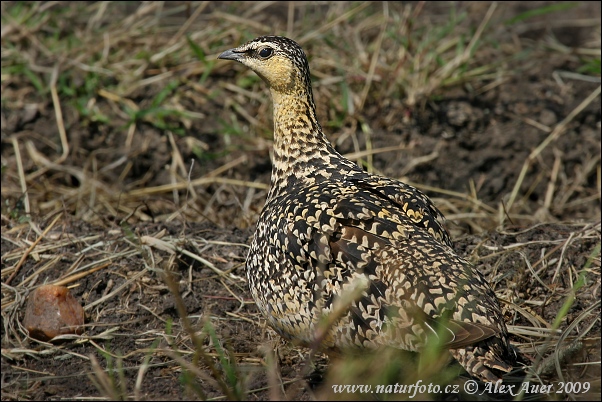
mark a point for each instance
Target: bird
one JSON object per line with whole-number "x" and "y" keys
{"x": 370, "y": 252}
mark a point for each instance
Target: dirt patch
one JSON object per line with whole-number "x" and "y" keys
{"x": 119, "y": 228}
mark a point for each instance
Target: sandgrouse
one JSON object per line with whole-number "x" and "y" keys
{"x": 328, "y": 227}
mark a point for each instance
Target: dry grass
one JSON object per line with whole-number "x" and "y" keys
{"x": 133, "y": 163}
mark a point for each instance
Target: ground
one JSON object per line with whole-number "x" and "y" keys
{"x": 134, "y": 166}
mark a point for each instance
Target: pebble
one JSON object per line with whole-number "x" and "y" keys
{"x": 51, "y": 311}
{"x": 548, "y": 118}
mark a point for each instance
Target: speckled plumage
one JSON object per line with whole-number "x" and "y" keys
{"x": 328, "y": 228}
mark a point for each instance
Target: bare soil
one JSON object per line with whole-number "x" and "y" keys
{"x": 461, "y": 142}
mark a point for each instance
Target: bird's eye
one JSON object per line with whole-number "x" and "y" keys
{"x": 266, "y": 52}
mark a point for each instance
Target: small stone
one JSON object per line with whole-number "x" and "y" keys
{"x": 458, "y": 114}
{"x": 51, "y": 311}
{"x": 547, "y": 117}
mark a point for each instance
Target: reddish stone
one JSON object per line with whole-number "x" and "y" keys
{"x": 51, "y": 311}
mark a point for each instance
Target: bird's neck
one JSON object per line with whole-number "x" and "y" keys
{"x": 302, "y": 153}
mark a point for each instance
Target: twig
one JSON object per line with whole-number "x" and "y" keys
{"x": 59, "y": 115}
{"x": 30, "y": 249}
{"x": 558, "y": 130}
{"x": 22, "y": 180}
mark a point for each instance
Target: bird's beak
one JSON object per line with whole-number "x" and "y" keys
{"x": 230, "y": 54}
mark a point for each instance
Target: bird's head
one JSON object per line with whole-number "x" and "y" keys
{"x": 279, "y": 61}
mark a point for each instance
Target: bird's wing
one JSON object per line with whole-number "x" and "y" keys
{"x": 350, "y": 231}
{"x": 416, "y": 206}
